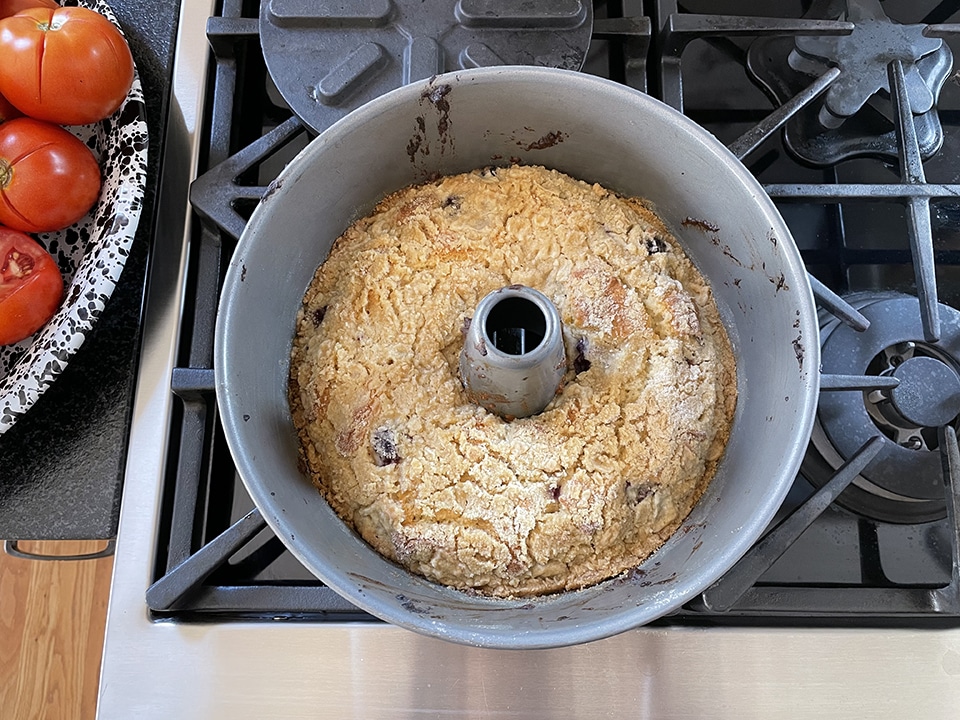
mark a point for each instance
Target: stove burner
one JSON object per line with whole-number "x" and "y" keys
{"x": 904, "y": 482}
{"x": 863, "y": 56}
{"x": 327, "y": 59}
{"x": 855, "y": 117}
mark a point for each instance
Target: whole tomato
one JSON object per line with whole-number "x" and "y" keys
{"x": 48, "y": 178}
{"x": 12, "y": 7}
{"x": 30, "y": 286}
{"x": 69, "y": 66}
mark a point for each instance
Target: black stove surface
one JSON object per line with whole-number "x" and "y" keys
{"x": 867, "y": 534}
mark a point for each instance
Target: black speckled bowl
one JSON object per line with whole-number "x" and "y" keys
{"x": 91, "y": 254}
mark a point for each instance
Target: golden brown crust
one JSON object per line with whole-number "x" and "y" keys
{"x": 577, "y": 494}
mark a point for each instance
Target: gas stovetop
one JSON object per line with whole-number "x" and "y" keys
{"x": 848, "y": 608}
{"x": 847, "y": 115}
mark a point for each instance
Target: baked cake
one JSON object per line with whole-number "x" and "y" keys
{"x": 566, "y": 498}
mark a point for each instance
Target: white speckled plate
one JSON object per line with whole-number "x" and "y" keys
{"x": 91, "y": 254}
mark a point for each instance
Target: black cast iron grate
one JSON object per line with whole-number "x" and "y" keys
{"x": 216, "y": 557}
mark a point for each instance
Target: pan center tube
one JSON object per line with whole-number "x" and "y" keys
{"x": 513, "y": 358}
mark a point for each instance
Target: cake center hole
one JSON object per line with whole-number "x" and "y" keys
{"x": 516, "y": 326}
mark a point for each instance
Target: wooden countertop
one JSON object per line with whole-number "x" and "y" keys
{"x": 52, "y": 617}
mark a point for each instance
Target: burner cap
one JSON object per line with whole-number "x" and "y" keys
{"x": 929, "y": 392}
{"x": 327, "y": 59}
{"x": 862, "y": 57}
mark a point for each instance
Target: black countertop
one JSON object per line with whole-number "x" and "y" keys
{"x": 61, "y": 464}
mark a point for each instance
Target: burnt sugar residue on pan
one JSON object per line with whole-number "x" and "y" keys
{"x": 416, "y": 140}
{"x": 779, "y": 282}
{"x": 725, "y": 249}
{"x": 634, "y": 576}
{"x": 435, "y": 96}
{"x": 554, "y": 137}
{"x": 700, "y": 224}
{"x": 420, "y": 609}
{"x": 799, "y": 350}
{"x": 664, "y": 581}
{"x": 271, "y": 190}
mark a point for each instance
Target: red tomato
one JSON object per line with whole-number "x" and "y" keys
{"x": 48, "y": 178}
{"x": 69, "y": 66}
{"x": 12, "y": 7}
{"x": 30, "y": 286}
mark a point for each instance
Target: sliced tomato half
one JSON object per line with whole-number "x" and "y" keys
{"x": 31, "y": 286}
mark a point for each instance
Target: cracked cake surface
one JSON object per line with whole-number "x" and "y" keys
{"x": 560, "y": 500}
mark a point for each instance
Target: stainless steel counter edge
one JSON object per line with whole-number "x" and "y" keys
{"x": 296, "y": 670}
